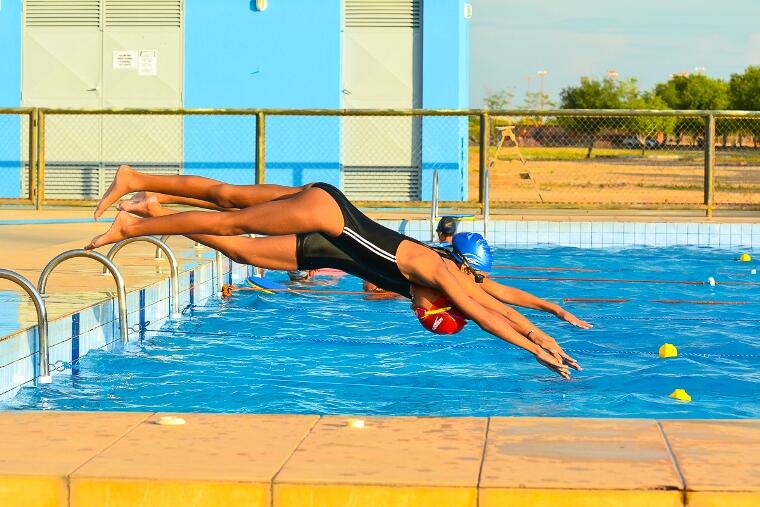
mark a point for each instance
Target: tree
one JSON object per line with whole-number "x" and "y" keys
{"x": 694, "y": 92}
{"x": 536, "y": 101}
{"x": 644, "y": 126}
{"x": 744, "y": 89}
{"x": 498, "y": 100}
{"x": 744, "y": 94}
{"x": 594, "y": 94}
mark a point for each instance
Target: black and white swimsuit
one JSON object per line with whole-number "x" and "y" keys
{"x": 365, "y": 248}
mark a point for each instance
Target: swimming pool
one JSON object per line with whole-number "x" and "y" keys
{"x": 339, "y": 354}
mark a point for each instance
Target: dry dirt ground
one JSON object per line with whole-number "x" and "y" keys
{"x": 615, "y": 182}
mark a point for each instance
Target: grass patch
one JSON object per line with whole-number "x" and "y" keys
{"x": 571, "y": 153}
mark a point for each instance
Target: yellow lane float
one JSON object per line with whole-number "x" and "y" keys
{"x": 668, "y": 350}
{"x": 680, "y": 395}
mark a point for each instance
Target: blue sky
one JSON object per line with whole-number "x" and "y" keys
{"x": 646, "y": 39}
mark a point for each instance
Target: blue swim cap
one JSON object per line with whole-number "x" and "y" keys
{"x": 473, "y": 247}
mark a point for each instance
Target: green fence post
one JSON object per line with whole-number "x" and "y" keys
{"x": 260, "y": 147}
{"x": 483, "y": 156}
{"x": 33, "y": 158}
{"x": 709, "y": 164}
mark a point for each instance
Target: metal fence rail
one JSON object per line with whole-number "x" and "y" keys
{"x": 19, "y": 148}
{"x": 614, "y": 159}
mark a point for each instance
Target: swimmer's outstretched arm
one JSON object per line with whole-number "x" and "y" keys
{"x": 488, "y": 320}
{"x": 516, "y": 320}
{"x": 513, "y": 296}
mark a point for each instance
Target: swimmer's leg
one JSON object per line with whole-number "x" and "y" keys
{"x": 312, "y": 210}
{"x": 275, "y": 252}
{"x": 197, "y": 188}
{"x": 271, "y": 252}
{"x": 186, "y": 201}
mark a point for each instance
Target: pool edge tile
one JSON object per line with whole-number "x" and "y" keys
{"x": 115, "y": 492}
{"x": 542, "y": 497}
{"x": 33, "y": 491}
{"x": 577, "y": 454}
{"x": 404, "y": 452}
{"x": 715, "y": 456}
{"x": 722, "y": 498}
{"x": 338, "y": 495}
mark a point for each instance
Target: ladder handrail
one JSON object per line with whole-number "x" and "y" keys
{"x": 486, "y": 203}
{"x": 434, "y": 206}
{"x": 174, "y": 275}
{"x": 159, "y": 256}
{"x": 121, "y": 292}
{"x": 219, "y": 271}
{"x": 42, "y": 321}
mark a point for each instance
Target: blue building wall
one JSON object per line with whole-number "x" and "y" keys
{"x": 288, "y": 56}
{"x": 445, "y": 85}
{"x": 10, "y": 96}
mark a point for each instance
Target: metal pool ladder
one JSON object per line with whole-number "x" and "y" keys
{"x": 106, "y": 262}
{"x": 434, "y": 207}
{"x": 173, "y": 276}
{"x": 42, "y": 321}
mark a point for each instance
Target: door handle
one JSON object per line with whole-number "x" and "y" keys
{"x": 94, "y": 89}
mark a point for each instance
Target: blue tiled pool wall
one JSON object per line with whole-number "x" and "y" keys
{"x": 592, "y": 234}
{"x": 97, "y": 327}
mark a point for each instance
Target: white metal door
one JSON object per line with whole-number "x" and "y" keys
{"x": 70, "y": 61}
{"x": 382, "y": 48}
{"x": 61, "y": 68}
{"x": 142, "y": 68}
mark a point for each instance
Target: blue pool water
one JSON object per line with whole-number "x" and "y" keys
{"x": 339, "y": 354}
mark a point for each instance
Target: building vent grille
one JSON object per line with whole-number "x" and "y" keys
{"x": 383, "y": 13}
{"x": 381, "y": 183}
{"x": 144, "y": 13}
{"x": 62, "y": 13}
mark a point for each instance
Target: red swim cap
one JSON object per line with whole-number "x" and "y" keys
{"x": 441, "y": 318}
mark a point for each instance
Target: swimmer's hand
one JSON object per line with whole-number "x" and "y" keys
{"x": 551, "y": 346}
{"x": 572, "y": 319}
{"x": 548, "y": 360}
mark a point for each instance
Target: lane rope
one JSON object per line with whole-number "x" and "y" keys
{"x": 615, "y": 280}
{"x": 228, "y": 290}
{"x": 433, "y": 345}
{"x": 552, "y": 317}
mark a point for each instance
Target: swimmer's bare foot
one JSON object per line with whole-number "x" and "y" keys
{"x": 120, "y": 186}
{"x": 144, "y": 204}
{"x": 117, "y": 232}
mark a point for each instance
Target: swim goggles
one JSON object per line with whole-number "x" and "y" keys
{"x": 478, "y": 277}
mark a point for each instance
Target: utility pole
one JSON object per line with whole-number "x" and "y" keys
{"x": 541, "y": 74}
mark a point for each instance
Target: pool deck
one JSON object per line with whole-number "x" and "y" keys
{"x": 114, "y": 459}
{"x": 119, "y": 459}
{"x": 27, "y": 248}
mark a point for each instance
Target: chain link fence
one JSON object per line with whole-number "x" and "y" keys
{"x": 585, "y": 160}
{"x": 14, "y": 157}
{"x": 737, "y": 162}
{"x": 551, "y": 159}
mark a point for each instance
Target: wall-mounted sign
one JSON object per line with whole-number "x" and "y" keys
{"x": 125, "y": 59}
{"x": 148, "y": 62}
